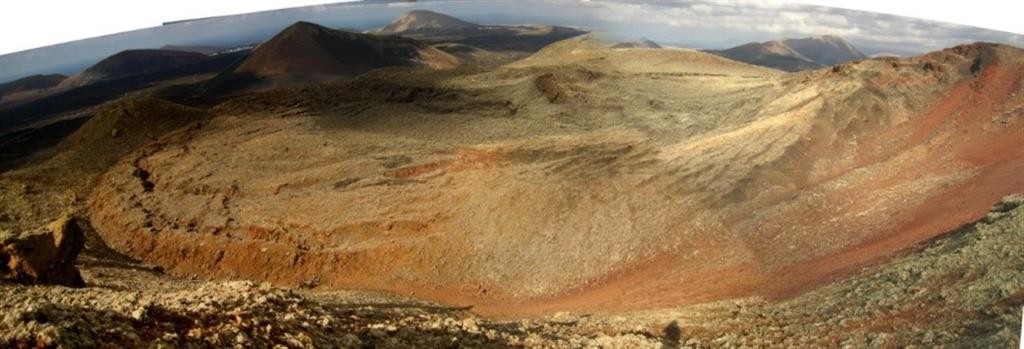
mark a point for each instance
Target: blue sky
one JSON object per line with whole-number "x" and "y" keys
{"x": 697, "y": 24}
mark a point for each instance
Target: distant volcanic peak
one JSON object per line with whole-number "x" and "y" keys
{"x": 309, "y": 50}
{"x": 779, "y": 48}
{"x": 301, "y": 28}
{"x": 795, "y": 54}
{"x": 645, "y": 42}
{"x": 826, "y": 50}
{"x": 418, "y": 20}
{"x": 133, "y": 62}
{"x": 830, "y": 38}
{"x": 137, "y": 61}
{"x": 29, "y": 83}
{"x": 207, "y": 50}
{"x": 642, "y": 43}
{"x": 756, "y": 50}
{"x": 824, "y": 39}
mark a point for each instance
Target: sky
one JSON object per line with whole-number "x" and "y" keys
{"x": 57, "y": 21}
{"x": 50, "y": 20}
{"x": 706, "y": 24}
{"x": 720, "y": 24}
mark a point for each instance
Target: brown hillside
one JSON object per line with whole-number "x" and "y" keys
{"x": 774, "y": 54}
{"x": 794, "y": 54}
{"x": 133, "y": 62}
{"x": 28, "y": 87}
{"x": 306, "y": 52}
{"x": 826, "y": 50}
{"x": 33, "y": 82}
{"x": 422, "y": 20}
{"x": 437, "y": 28}
{"x": 62, "y": 180}
{"x": 581, "y": 178}
{"x": 642, "y": 43}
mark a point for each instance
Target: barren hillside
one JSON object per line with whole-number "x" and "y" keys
{"x": 581, "y": 196}
{"x": 826, "y": 49}
{"x": 438, "y": 28}
{"x": 309, "y": 53}
{"x": 642, "y": 43}
{"x": 677, "y": 177}
{"x": 25, "y": 87}
{"x": 132, "y": 62}
{"x": 795, "y": 54}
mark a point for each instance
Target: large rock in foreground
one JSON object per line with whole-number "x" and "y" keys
{"x": 43, "y": 256}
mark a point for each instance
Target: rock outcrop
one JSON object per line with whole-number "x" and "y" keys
{"x": 43, "y": 256}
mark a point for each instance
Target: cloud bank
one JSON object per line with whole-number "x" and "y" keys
{"x": 697, "y": 24}
{"x": 714, "y": 24}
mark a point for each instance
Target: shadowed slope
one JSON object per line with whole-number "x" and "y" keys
{"x": 794, "y": 54}
{"x": 306, "y": 52}
{"x": 116, "y": 129}
{"x": 28, "y": 88}
{"x": 825, "y": 50}
{"x": 133, "y": 62}
{"x": 772, "y": 54}
{"x": 34, "y": 82}
{"x": 438, "y": 28}
{"x": 642, "y": 43}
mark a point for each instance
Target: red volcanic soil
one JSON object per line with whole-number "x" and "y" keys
{"x": 969, "y": 124}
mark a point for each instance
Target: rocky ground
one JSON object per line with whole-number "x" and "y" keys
{"x": 759, "y": 210}
{"x": 128, "y": 305}
{"x": 962, "y": 290}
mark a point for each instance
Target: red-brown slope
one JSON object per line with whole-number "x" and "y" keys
{"x": 975, "y": 126}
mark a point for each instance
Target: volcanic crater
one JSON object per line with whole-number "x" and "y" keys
{"x": 652, "y": 178}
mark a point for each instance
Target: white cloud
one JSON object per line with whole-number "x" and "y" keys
{"x": 770, "y": 20}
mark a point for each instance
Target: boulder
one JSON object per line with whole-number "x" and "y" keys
{"x": 43, "y": 256}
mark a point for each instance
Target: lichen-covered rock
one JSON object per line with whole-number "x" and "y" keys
{"x": 43, "y": 256}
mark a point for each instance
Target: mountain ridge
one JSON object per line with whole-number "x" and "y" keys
{"x": 308, "y": 52}
{"x": 640, "y": 43}
{"x": 795, "y": 54}
{"x": 420, "y": 20}
{"x": 132, "y": 62}
{"x": 438, "y": 28}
